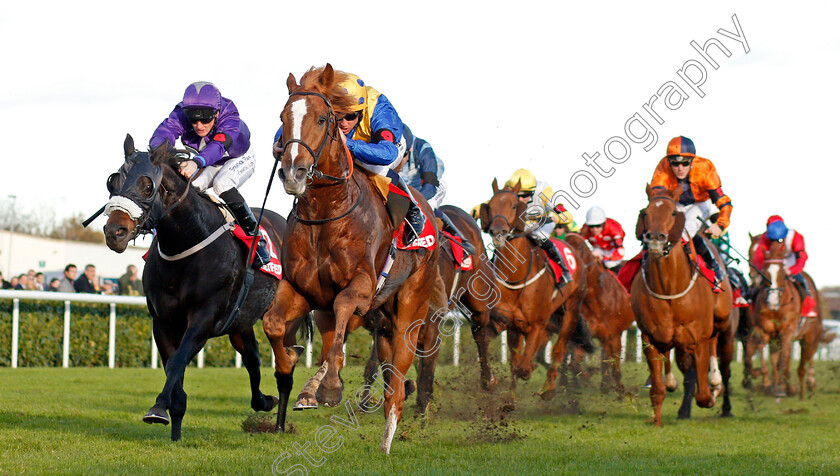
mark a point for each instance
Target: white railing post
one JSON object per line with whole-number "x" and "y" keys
{"x": 796, "y": 352}
{"x": 623, "y": 346}
{"x": 154, "y": 353}
{"x": 201, "y": 358}
{"x": 638, "y": 345}
{"x": 503, "y": 339}
{"x": 548, "y": 350}
{"x": 238, "y": 360}
{"x": 456, "y": 344}
{"x": 112, "y": 336}
{"x": 15, "y": 331}
{"x": 308, "y": 353}
{"x": 739, "y": 352}
{"x": 65, "y": 348}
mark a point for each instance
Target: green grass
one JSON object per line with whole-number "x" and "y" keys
{"x": 88, "y": 421}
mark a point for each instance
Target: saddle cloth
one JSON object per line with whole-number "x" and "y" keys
{"x": 463, "y": 261}
{"x": 631, "y": 268}
{"x": 568, "y": 259}
{"x": 273, "y": 268}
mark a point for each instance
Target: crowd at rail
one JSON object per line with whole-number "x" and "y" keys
{"x": 129, "y": 284}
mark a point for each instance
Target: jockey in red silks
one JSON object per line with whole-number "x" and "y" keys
{"x": 794, "y": 261}
{"x": 210, "y": 124}
{"x": 606, "y": 237}
{"x": 701, "y": 196}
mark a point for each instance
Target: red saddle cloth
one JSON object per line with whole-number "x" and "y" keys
{"x": 631, "y": 268}
{"x": 273, "y": 268}
{"x": 462, "y": 260}
{"x": 568, "y": 258}
{"x": 427, "y": 239}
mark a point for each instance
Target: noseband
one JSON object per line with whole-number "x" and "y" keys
{"x": 332, "y": 125}
{"x": 509, "y": 235}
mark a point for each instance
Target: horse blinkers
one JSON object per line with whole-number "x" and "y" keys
{"x": 640, "y": 226}
{"x": 676, "y": 231}
{"x": 519, "y": 221}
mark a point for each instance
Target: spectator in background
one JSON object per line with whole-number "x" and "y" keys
{"x": 22, "y": 282}
{"x": 3, "y": 283}
{"x": 40, "y": 282}
{"x": 54, "y": 284}
{"x": 108, "y": 287}
{"x": 88, "y": 282}
{"x": 130, "y": 284}
{"x": 66, "y": 284}
{"x": 14, "y": 282}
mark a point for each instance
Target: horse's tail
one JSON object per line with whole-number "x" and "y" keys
{"x": 308, "y": 327}
{"x": 582, "y": 336}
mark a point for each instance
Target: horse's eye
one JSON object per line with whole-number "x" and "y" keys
{"x": 674, "y": 213}
{"x": 322, "y": 120}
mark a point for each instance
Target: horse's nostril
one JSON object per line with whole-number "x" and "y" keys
{"x": 300, "y": 173}
{"x": 281, "y": 174}
{"x": 661, "y": 236}
{"x": 648, "y": 236}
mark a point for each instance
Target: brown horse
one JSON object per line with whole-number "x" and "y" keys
{"x": 528, "y": 297}
{"x": 606, "y": 308}
{"x": 777, "y": 317}
{"x": 337, "y": 242}
{"x": 673, "y": 310}
{"x": 752, "y": 340}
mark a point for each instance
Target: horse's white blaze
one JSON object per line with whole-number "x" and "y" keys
{"x": 390, "y": 430}
{"x": 298, "y": 113}
{"x": 773, "y": 298}
{"x": 715, "y": 377}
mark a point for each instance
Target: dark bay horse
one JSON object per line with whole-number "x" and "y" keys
{"x": 674, "y": 310}
{"x": 606, "y": 308}
{"x": 336, "y": 245}
{"x": 777, "y": 308}
{"x": 528, "y": 297}
{"x": 190, "y": 295}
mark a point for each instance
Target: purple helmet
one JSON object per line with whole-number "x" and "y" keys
{"x": 202, "y": 94}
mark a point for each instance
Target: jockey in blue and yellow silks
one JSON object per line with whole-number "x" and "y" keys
{"x": 374, "y": 131}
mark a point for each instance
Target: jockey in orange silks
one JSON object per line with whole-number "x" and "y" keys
{"x": 795, "y": 258}
{"x": 701, "y": 195}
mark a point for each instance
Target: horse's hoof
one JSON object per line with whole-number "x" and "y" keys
{"x": 490, "y": 384}
{"x": 726, "y": 414}
{"x": 548, "y": 394}
{"x": 305, "y": 402}
{"x": 683, "y": 416}
{"x": 298, "y": 349}
{"x": 329, "y": 397}
{"x": 715, "y": 378}
{"x": 410, "y": 387}
{"x": 269, "y": 402}
{"x": 671, "y": 383}
{"x": 747, "y": 384}
{"x": 155, "y": 415}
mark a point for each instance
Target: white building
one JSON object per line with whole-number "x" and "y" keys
{"x": 20, "y": 252}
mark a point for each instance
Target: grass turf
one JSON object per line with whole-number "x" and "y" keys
{"x": 88, "y": 421}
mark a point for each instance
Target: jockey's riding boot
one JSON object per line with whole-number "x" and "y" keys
{"x": 449, "y": 226}
{"x": 414, "y": 216}
{"x": 809, "y": 305}
{"x": 245, "y": 218}
{"x": 554, "y": 254}
{"x": 709, "y": 259}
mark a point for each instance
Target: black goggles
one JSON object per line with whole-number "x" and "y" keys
{"x": 204, "y": 115}
{"x": 348, "y": 117}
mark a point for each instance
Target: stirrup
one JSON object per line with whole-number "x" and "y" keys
{"x": 262, "y": 256}
{"x": 415, "y": 221}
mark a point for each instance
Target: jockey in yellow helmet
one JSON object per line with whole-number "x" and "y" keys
{"x": 540, "y": 225}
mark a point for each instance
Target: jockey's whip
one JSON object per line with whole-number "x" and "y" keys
{"x": 249, "y": 271}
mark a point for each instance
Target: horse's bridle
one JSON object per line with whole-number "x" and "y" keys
{"x": 666, "y": 250}
{"x": 508, "y": 236}
{"x": 332, "y": 126}
{"x": 771, "y": 289}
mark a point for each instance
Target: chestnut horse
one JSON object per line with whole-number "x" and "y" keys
{"x": 751, "y": 338}
{"x": 528, "y": 296}
{"x": 190, "y": 295}
{"x": 777, "y": 317}
{"x": 337, "y": 241}
{"x": 606, "y": 308}
{"x": 673, "y": 310}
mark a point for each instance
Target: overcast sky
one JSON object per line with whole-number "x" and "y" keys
{"x": 493, "y": 86}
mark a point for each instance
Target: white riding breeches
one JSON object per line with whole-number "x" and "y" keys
{"x": 231, "y": 174}
{"x": 693, "y": 214}
{"x": 436, "y": 201}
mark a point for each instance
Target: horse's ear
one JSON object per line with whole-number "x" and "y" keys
{"x": 648, "y": 191}
{"x": 291, "y": 83}
{"x": 677, "y": 229}
{"x": 159, "y": 153}
{"x": 484, "y": 216}
{"x": 495, "y": 186}
{"x": 327, "y": 76}
{"x": 517, "y": 187}
{"x": 519, "y": 222}
{"x": 128, "y": 146}
{"x": 640, "y": 225}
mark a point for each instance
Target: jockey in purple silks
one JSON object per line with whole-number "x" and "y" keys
{"x": 210, "y": 124}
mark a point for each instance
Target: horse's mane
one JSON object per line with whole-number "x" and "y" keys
{"x": 338, "y": 96}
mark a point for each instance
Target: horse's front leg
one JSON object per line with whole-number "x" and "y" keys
{"x": 287, "y": 307}
{"x": 246, "y": 344}
{"x": 356, "y": 296}
{"x": 173, "y": 398}
{"x": 657, "y": 387}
